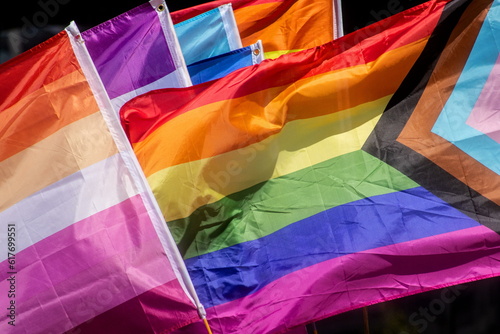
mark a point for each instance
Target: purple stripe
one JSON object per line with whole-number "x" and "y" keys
{"x": 130, "y": 51}
{"x": 356, "y": 280}
{"x": 88, "y": 268}
{"x": 357, "y": 226}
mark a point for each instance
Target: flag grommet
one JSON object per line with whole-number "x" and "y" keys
{"x": 256, "y": 52}
{"x": 160, "y": 8}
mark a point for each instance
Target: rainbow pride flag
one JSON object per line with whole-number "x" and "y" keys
{"x": 209, "y": 34}
{"x": 84, "y": 245}
{"x": 283, "y": 25}
{"x": 136, "y": 52}
{"x": 336, "y": 177}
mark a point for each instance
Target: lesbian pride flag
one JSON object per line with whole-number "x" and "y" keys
{"x": 282, "y": 25}
{"x": 87, "y": 249}
{"x": 336, "y": 177}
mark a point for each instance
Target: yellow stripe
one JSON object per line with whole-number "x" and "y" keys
{"x": 228, "y": 125}
{"x": 44, "y": 111}
{"x": 276, "y": 54}
{"x": 70, "y": 149}
{"x": 300, "y": 144}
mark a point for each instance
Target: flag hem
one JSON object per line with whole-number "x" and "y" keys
{"x": 230, "y": 26}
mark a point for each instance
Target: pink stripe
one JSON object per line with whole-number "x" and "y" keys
{"x": 485, "y": 116}
{"x": 361, "y": 279}
{"x": 87, "y": 268}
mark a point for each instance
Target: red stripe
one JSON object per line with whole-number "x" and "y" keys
{"x": 35, "y": 68}
{"x": 186, "y": 14}
{"x": 149, "y": 111}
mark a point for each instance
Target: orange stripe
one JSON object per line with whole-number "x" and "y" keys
{"x": 47, "y": 106}
{"x": 418, "y": 135}
{"x": 301, "y": 144}
{"x": 143, "y": 115}
{"x": 72, "y": 148}
{"x": 41, "y": 65}
{"x": 190, "y": 12}
{"x": 286, "y": 25}
{"x": 231, "y": 124}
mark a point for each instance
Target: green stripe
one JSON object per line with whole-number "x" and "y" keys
{"x": 269, "y": 206}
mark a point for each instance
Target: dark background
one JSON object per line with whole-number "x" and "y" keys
{"x": 474, "y": 309}
{"x": 92, "y": 12}
{"x": 51, "y": 16}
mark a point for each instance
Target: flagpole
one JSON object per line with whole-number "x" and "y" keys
{"x": 315, "y": 330}
{"x": 338, "y": 24}
{"x": 110, "y": 116}
{"x": 366, "y": 324}
{"x": 207, "y": 325}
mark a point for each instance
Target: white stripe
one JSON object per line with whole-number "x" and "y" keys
{"x": 171, "y": 80}
{"x": 173, "y": 43}
{"x": 257, "y": 57}
{"x": 68, "y": 201}
{"x": 230, "y": 26}
{"x": 132, "y": 166}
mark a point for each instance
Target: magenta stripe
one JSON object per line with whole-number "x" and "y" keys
{"x": 147, "y": 313}
{"x": 485, "y": 116}
{"x": 88, "y": 268}
{"x": 360, "y": 279}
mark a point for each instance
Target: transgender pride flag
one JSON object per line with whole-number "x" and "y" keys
{"x": 88, "y": 247}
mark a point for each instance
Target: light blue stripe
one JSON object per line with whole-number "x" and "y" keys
{"x": 451, "y": 123}
{"x": 203, "y": 36}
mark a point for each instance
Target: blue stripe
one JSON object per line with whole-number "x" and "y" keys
{"x": 378, "y": 221}
{"x": 451, "y": 123}
{"x": 220, "y": 66}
